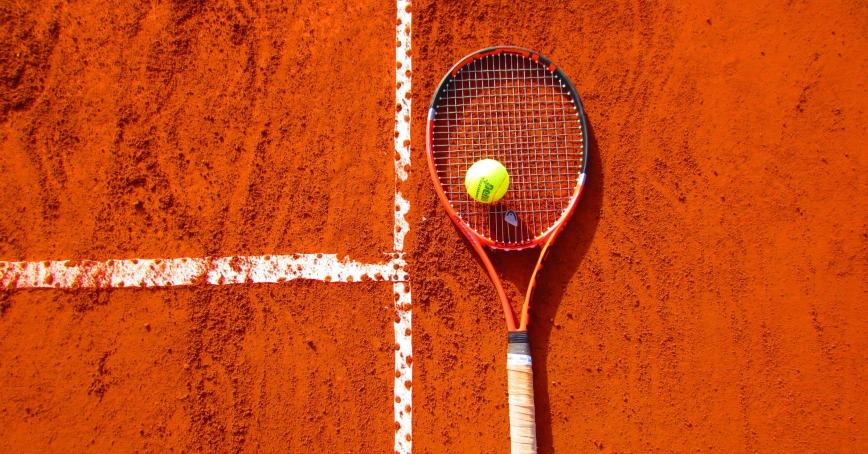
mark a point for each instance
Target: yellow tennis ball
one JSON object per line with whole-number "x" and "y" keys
{"x": 486, "y": 181}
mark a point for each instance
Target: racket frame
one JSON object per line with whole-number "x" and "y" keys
{"x": 478, "y": 241}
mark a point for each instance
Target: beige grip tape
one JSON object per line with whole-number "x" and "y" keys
{"x": 522, "y": 420}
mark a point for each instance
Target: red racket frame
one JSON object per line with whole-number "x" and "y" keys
{"x": 478, "y": 241}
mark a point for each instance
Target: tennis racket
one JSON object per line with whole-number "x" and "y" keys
{"x": 515, "y": 106}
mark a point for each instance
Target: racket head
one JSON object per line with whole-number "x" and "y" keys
{"x": 516, "y": 106}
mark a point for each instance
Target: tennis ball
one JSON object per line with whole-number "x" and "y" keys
{"x": 486, "y": 181}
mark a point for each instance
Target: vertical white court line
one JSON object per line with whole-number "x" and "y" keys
{"x": 403, "y": 386}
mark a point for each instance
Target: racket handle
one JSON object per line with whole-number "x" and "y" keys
{"x": 522, "y": 417}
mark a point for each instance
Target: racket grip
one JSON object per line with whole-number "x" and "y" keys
{"x": 522, "y": 417}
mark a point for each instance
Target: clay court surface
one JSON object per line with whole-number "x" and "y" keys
{"x": 708, "y": 294}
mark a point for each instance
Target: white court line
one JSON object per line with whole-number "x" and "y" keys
{"x": 403, "y": 386}
{"x": 185, "y": 271}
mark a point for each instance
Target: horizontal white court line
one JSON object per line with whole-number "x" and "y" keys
{"x": 185, "y": 271}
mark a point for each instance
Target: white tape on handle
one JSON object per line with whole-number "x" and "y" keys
{"x": 522, "y": 419}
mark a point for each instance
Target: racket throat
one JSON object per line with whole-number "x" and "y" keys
{"x": 524, "y": 316}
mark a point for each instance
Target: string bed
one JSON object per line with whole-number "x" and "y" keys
{"x": 513, "y": 109}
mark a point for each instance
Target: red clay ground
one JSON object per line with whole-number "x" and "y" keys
{"x": 186, "y": 128}
{"x": 705, "y": 296}
{"x": 203, "y": 369}
{"x": 167, "y": 129}
{"x": 709, "y": 292}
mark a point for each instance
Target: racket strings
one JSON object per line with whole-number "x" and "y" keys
{"x": 513, "y": 109}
